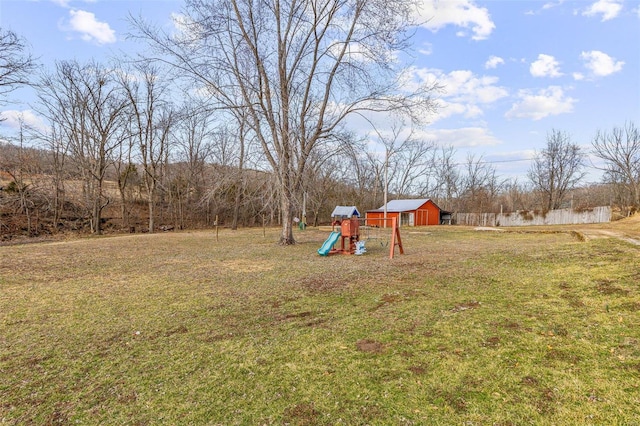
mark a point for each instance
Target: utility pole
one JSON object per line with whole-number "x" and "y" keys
{"x": 386, "y": 182}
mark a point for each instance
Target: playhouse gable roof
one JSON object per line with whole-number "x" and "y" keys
{"x": 398, "y": 206}
{"x": 345, "y": 211}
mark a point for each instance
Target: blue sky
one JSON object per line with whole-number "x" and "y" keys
{"x": 513, "y": 70}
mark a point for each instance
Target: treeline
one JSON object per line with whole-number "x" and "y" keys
{"x": 200, "y": 177}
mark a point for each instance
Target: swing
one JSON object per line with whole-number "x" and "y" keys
{"x": 382, "y": 235}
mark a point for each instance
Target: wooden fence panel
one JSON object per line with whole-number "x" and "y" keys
{"x": 528, "y": 218}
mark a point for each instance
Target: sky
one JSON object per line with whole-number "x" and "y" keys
{"x": 512, "y": 71}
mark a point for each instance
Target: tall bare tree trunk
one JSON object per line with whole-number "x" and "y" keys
{"x": 286, "y": 211}
{"x": 151, "y": 202}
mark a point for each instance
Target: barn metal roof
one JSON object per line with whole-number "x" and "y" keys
{"x": 398, "y": 206}
{"x": 345, "y": 211}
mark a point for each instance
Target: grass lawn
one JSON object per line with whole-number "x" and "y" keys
{"x": 467, "y": 327}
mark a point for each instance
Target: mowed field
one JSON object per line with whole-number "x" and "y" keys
{"x": 467, "y": 327}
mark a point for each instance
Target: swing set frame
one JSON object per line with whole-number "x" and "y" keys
{"x": 386, "y": 223}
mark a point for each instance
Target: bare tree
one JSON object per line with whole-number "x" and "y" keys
{"x": 152, "y": 120}
{"x": 363, "y": 171}
{"x": 194, "y": 140}
{"x": 411, "y": 166}
{"x": 299, "y": 68}
{"x": 16, "y": 63}
{"x": 516, "y": 196}
{"x": 444, "y": 182}
{"x": 479, "y": 185}
{"x": 620, "y": 151}
{"x": 395, "y": 140}
{"x": 319, "y": 185}
{"x": 556, "y": 169}
{"x": 22, "y": 167}
{"x": 233, "y": 143}
{"x": 88, "y": 108}
{"x": 126, "y": 175}
{"x": 52, "y": 139}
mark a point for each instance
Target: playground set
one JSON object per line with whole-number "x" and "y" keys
{"x": 346, "y": 228}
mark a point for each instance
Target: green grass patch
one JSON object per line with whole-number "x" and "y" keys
{"x": 465, "y": 328}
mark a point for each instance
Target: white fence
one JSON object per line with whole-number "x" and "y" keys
{"x": 528, "y": 218}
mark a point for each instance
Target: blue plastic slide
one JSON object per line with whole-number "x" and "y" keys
{"x": 328, "y": 245}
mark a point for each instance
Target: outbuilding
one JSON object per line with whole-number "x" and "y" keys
{"x": 417, "y": 212}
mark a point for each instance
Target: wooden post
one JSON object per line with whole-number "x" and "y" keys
{"x": 216, "y": 223}
{"x": 395, "y": 237}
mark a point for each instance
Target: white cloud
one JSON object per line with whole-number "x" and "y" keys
{"x": 545, "y": 66}
{"x": 462, "y": 13}
{"x": 551, "y": 5}
{"x": 493, "y": 62}
{"x": 600, "y": 64}
{"x": 609, "y": 9}
{"x": 464, "y": 86}
{"x": 546, "y": 102}
{"x": 89, "y": 28}
{"x": 447, "y": 109}
{"x": 12, "y": 119}
{"x": 463, "y": 92}
{"x": 545, "y": 6}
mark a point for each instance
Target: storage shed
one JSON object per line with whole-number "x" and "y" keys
{"x": 419, "y": 212}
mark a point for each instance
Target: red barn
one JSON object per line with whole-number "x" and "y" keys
{"x": 418, "y": 212}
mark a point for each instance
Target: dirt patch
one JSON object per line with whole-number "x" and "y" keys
{"x": 560, "y": 355}
{"x": 35, "y": 361}
{"x": 418, "y": 370}
{"x": 546, "y": 401}
{"x": 371, "y": 412}
{"x": 301, "y": 414}
{"x": 60, "y": 415}
{"x": 453, "y": 400}
{"x": 181, "y": 329}
{"x": 491, "y": 342}
{"x": 607, "y": 287}
{"x": 574, "y": 301}
{"x": 387, "y": 299}
{"x": 370, "y": 346}
{"x": 466, "y": 306}
{"x": 315, "y": 322}
{"x": 509, "y": 325}
{"x": 488, "y": 228}
{"x": 605, "y": 233}
{"x": 298, "y": 315}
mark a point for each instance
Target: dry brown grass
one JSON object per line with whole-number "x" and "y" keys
{"x": 178, "y": 328}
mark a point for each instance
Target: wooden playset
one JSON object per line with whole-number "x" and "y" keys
{"x": 346, "y": 228}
